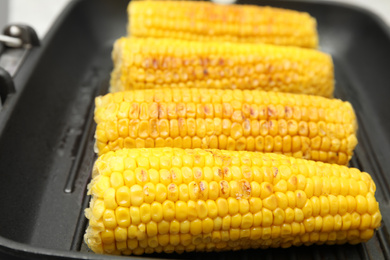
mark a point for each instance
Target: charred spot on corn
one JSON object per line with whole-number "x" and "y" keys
{"x": 182, "y": 200}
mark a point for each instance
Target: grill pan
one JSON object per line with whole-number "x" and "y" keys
{"x": 47, "y": 128}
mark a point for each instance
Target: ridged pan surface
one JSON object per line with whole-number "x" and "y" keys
{"x": 46, "y": 144}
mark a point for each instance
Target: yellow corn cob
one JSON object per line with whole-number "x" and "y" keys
{"x": 174, "y": 200}
{"x": 205, "y": 21}
{"x": 156, "y": 63}
{"x": 302, "y": 126}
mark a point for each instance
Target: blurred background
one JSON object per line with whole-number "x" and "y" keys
{"x": 40, "y": 14}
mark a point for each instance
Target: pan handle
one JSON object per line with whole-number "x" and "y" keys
{"x": 6, "y": 86}
{"x": 15, "y": 43}
{"x": 19, "y": 35}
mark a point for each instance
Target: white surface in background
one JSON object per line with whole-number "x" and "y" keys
{"x": 40, "y": 14}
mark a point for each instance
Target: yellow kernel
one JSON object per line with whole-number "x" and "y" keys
{"x": 163, "y": 227}
{"x": 116, "y": 180}
{"x": 226, "y": 222}
{"x": 173, "y": 192}
{"x": 291, "y": 199}
{"x": 356, "y": 219}
{"x": 136, "y": 193}
{"x": 372, "y": 204}
{"x": 109, "y": 199}
{"x": 131, "y": 234}
{"x": 258, "y": 219}
{"x": 361, "y": 204}
{"x": 365, "y": 222}
{"x": 108, "y": 236}
{"x": 366, "y": 234}
{"x": 165, "y": 177}
{"x": 255, "y": 205}
{"x": 256, "y": 233}
{"x": 309, "y": 189}
{"x": 141, "y": 176}
{"x": 196, "y": 227}
{"x": 233, "y": 206}
{"x": 145, "y": 212}
{"x": 296, "y": 228}
{"x": 289, "y": 215}
{"x": 217, "y": 223}
{"x": 376, "y": 220}
{"x": 181, "y": 210}
{"x": 307, "y": 209}
{"x": 201, "y": 209}
{"x": 236, "y": 220}
{"x": 309, "y": 224}
{"x": 116, "y": 164}
{"x": 135, "y": 215}
{"x": 266, "y": 233}
{"x": 174, "y": 227}
{"x": 267, "y": 217}
{"x": 223, "y": 207}
{"x": 281, "y": 186}
{"x": 344, "y": 186}
{"x": 176, "y": 176}
{"x": 328, "y": 223}
{"x": 266, "y": 190}
{"x": 185, "y": 227}
{"x": 98, "y": 209}
{"x": 161, "y": 192}
{"x": 325, "y": 207}
{"x": 109, "y": 219}
{"x": 120, "y": 234}
{"x": 282, "y": 200}
{"x": 300, "y": 198}
{"x": 203, "y": 190}
{"x": 270, "y": 202}
{"x": 122, "y": 215}
{"x": 213, "y": 190}
{"x": 212, "y": 209}
{"x": 207, "y": 225}
{"x": 298, "y": 215}
{"x": 278, "y": 216}
{"x": 168, "y": 210}
{"x": 156, "y": 211}
{"x": 243, "y": 206}
{"x": 351, "y": 203}
{"x": 191, "y": 207}
{"x": 247, "y": 220}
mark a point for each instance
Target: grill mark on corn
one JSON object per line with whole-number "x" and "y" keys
{"x": 275, "y": 170}
{"x": 224, "y": 187}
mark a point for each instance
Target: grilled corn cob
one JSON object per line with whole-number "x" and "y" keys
{"x": 156, "y": 63}
{"x": 175, "y": 200}
{"x": 302, "y": 126}
{"x": 205, "y": 21}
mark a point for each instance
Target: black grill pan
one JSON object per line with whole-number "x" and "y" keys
{"x": 46, "y": 128}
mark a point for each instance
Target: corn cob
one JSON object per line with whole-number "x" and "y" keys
{"x": 206, "y": 21}
{"x": 302, "y": 126}
{"x": 174, "y": 200}
{"x": 156, "y": 63}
